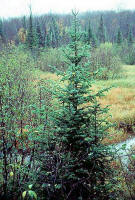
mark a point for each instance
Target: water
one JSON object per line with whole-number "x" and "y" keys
{"x": 122, "y": 150}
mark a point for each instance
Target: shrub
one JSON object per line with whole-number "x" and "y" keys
{"x": 16, "y": 69}
{"x": 104, "y": 58}
{"x": 126, "y": 172}
{"x": 126, "y": 52}
{"x": 50, "y": 58}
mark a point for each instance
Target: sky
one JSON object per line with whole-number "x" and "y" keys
{"x": 13, "y": 8}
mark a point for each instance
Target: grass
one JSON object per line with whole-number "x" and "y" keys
{"x": 127, "y": 81}
{"x": 45, "y": 75}
{"x": 121, "y": 99}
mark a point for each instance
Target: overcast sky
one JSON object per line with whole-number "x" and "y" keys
{"x": 10, "y": 8}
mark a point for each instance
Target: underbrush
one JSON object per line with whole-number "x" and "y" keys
{"x": 51, "y": 59}
{"x": 27, "y": 130}
{"x": 125, "y": 173}
{"x": 104, "y": 59}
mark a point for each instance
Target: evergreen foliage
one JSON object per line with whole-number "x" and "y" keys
{"x": 31, "y": 42}
{"x": 40, "y": 40}
{"x": 101, "y": 31}
{"x": 48, "y": 39}
{"x": 80, "y": 127}
{"x": 24, "y": 23}
{"x": 1, "y": 31}
{"x": 52, "y": 36}
{"x": 79, "y": 165}
{"x": 130, "y": 37}
{"x": 91, "y": 36}
{"x": 119, "y": 37}
{"x": 55, "y": 33}
{"x": 110, "y": 22}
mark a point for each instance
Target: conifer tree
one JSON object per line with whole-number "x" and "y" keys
{"x": 48, "y": 40}
{"x": 24, "y": 23}
{"x": 44, "y": 35}
{"x": 1, "y": 31}
{"x": 130, "y": 37}
{"x": 56, "y": 32}
{"x": 31, "y": 34}
{"x": 119, "y": 37}
{"x": 84, "y": 37}
{"x": 40, "y": 41}
{"x": 80, "y": 128}
{"x": 101, "y": 31}
{"x": 91, "y": 36}
{"x": 53, "y": 34}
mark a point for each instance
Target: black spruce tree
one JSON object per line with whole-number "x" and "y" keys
{"x": 91, "y": 37}
{"x": 82, "y": 169}
{"x": 2, "y": 38}
{"x": 40, "y": 40}
{"x": 101, "y": 31}
{"x": 130, "y": 37}
{"x": 31, "y": 41}
{"x": 119, "y": 38}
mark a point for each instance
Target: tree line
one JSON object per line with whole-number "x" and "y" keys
{"x": 51, "y": 30}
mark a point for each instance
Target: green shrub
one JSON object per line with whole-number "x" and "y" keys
{"x": 16, "y": 72}
{"x": 126, "y": 52}
{"x": 51, "y": 58}
{"x": 104, "y": 58}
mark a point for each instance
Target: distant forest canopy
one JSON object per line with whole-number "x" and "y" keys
{"x": 53, "y": 28}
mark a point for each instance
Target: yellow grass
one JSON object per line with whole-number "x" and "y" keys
{"x": 121, "y": 99}
{"x": 44, "y": 76}
{"x": 122, "y": 105}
